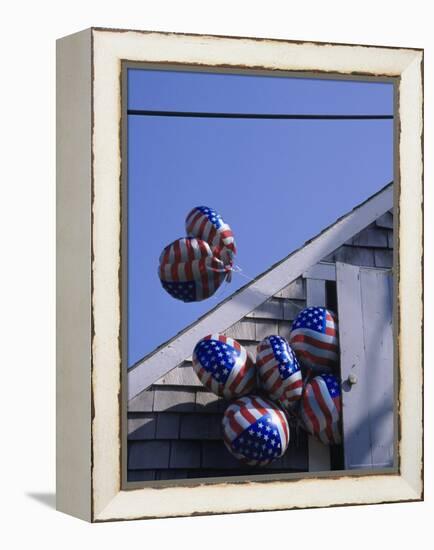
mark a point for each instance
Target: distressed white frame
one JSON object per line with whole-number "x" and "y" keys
{"x": 89, "y": 210}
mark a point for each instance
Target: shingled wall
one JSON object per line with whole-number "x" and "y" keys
{"x": 174, "y": 427}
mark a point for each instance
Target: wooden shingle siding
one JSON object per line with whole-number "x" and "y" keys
{"x": 383, "y": 258}
{"x": 216, "y": 456}
{"x": 316, "y": 293}
{"x": 291, "y": 308}
{"x": 167, "y": 425}
{"x": 207, "y": 402}
{"x": 148, "y": 455}
{"x": 185, "y": 454}
{"x": 284, "y": 329}
{"x": 143, "y": 427}
{"x": 141, "y": 475}
{"x": 386, "y": 220}
{"x": 265, "y": 327}
{"x": 206, "y": 426}
{"x": 322, "y": 271}
{"x": 372, "y": 237}
{"x": 369, "y": 248}
{"x": 183, "y": 375}
{"x": 144, "y": 402}
{"x": 354, "y": 255}
{"x": 271, "y": 309}
{"x": 243, "y": 330}
{"x": 174, "y": 400}
{"x": 295, "y": 290}
{"x": 175, "y": 425}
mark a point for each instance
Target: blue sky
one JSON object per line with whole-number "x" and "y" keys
{"x": 276, "y": 182}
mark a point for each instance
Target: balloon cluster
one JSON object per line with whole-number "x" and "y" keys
{"x": 192, "y": 268}
{"x": 286, "y": 380}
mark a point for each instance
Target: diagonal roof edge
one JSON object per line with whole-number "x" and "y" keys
{"x": 250, "y": 296}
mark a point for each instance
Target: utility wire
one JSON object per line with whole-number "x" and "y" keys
{"x": 140, "y": 112}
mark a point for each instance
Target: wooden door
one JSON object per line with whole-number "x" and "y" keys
{"x": 366, "y": 343}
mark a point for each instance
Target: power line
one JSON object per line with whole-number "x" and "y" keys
{"x": 140, "y": 112}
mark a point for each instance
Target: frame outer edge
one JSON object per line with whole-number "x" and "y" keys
{"x": 410, "y": 286}
{"x": 110, "y": 502}
{"x": 73, "y": 275}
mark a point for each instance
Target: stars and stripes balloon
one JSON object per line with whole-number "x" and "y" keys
{"x": 206, "y": 224}
{"x": 224, "y": 366}
{"x": 314, "y": 338}
{"x": 279, "y": 371}
{"x": 320, "y": 409}
{"x": 255, "y": 430}
{"x": 189, "y": 271}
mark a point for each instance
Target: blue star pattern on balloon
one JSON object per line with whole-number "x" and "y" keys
{"x": 185, "y": 291}
{"x": 217, "y": 357}
{"x": 288, "y": 363}
{"x": 332, "y": 385}
{"x": 311, "y": 317}
{"x": 213, "y": 216}
{"x": 260, "y": 441}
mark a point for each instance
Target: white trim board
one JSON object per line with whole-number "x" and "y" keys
{"x": 237, "y": 306}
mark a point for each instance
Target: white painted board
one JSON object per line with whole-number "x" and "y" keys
{"x": 366, "y": 342}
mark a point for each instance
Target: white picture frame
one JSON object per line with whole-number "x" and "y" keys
{"x": 89, "y": 210}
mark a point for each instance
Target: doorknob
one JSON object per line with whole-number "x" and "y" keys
{"x": 352, "y": 379}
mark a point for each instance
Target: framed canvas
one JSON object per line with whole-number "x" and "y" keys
{"x": 239, "y": 274}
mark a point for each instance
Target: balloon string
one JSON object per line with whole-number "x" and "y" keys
{"x": 239, "y": 271}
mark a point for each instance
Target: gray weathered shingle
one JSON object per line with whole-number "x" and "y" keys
{"x": 354, "y": 255}
{"x": 265, "y": 327}
{"x": 215, "y": 455}
{"x": 271, "y": 309}
{"x": 183, "y": 375}
{"x": 386, "y": 220}
{"x": 295, "y": 290}
{"x": 174, "y": 400}
{"x": 209, "y": 402}
{"x": 384, "y": 258}
{"x": 375, "y": 238}
{"x": 143, "y": 402}
{"x": 148, "y": 455}
{"x": 243, "y": 330}
{"x": 141, "y": 475}
{"x": 205, "y": 426}
{"x": 185, "y": 454}
{"x": 142, "y": 427}
{"x": 167, "y": 426}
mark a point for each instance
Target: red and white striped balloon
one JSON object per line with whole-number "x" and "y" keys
{"x": 278, "y": 370}
{"x": 224, "y": 366}
{"x": 314, "y": 338}
{"x": 255, "y": 430}
{"x": 205, "y": 223}
{"x": 189, "y": 270}
{"x": 320, "y": 408}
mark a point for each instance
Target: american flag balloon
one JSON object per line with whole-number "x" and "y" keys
{"x": 205, "y": 223}
{"x": 279, "y": 371}
{"x": 255, "y": 430}
{"x": 224, "y": 366}
{"x": 320, "y": 409}
{"x": 314, "y": 338}
{"x": 189, "y": 271}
